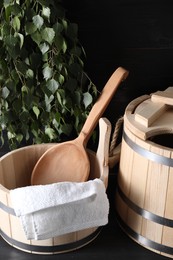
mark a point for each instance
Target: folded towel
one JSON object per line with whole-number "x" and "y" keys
{"x": 55, "y": 209}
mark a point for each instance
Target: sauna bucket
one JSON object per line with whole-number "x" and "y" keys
{"x": 15, "y": 171}
{"x": 144, "y": 196}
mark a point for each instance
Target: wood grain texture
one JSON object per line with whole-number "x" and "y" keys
{"x": 146, "y": 186}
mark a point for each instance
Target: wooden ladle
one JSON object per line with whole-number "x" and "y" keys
{"x": 69, "y": 161}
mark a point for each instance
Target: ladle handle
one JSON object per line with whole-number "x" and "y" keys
{"x": 101, "y": 104}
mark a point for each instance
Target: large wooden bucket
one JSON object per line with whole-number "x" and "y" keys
{"x": 15, "y": 171}
{"x": 144, "y": 198}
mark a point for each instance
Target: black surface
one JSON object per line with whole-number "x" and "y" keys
{"x": 112, "y": 243}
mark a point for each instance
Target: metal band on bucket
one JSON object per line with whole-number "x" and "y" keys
{"x": 7, "y": 209}
{"x": 147, "y": 154}
{"x": 143, "y": 240}
{"x": 49, "y": 249}
{"x": 143, "y": 212}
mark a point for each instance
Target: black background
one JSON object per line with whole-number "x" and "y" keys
{"x": 137, "y": 35}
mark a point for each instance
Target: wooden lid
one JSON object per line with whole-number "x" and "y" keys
{"x": 151, "y": 115}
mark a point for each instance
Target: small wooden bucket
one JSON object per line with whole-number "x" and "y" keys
{"x": 15, "y": 171}
{"x": 144, "y": 198}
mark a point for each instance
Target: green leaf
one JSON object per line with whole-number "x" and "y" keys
{"x": 61, "y": 79}
{"x": 38, "y": 21}
{"x": 5, "y": 30}
{"x": 52, "y": 85}
{"x": 14, "y": 76}
{"x": 66, "y": 129}
{"x": 46, "y": 12}
{"x": 30, "y": 28}
{"x": 36, "y": 36}
{"x": 14, "y": 51}
{"x": 27, "y": 99}
{"x": 7, "y": 3}
{"x": 10, "y": 135}
{"x": 64, "y": 46}
{"x": 22, "y": 67}
{"x": 77, "y": 98}
{"x": 48, "y": 34}
{"x": 71, "y": 84}
{"x": 48, "y": 100}
{"x": 65, "y": 24}
{"x": 35, "y": 60}
{"x": 2, "y": 140}
{"x": 76, "y": 51}
{"x": 59, "y": 42}
{"x": 29, "y": 73}
{"x": 87, "y": 99}
{"x": 3, "y": 69}
{"x": 51, "y": 133}
{"x": 44, "y": 47}
{"x": 47, "y": 73}
{"x": 17, "y": 104}
{"x": 60, "y": 96}
{"x": 58, "y": 117}
{"x": 45, "y": 57}
{"x": 5, "y": 92}
{"x": 11, "y": 41}
{"x": 16, "y": 9}
{"x": 58, "y": 28}
{"x": 7, "y": 13}
{"x": 34, "y": 128}
{"x": 24, "y": 89}
{"x": 24, "y": 116}
{"x": 10, "y": 84}
{"x": 56, "y": 124}
{"x": 16, "y": 23}
{"x": 4, "y": 119}
{"x": 36, "y": 111}
{"x": 75, "y": 69}
{"x": 21, "y": 39}
{"x": 19, "y": 138}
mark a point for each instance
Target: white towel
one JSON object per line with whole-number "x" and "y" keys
{"x": 51, "y": 210}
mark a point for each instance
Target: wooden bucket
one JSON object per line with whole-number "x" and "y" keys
{"x": 144, "y": 197}
{"x": 15, "y": 171}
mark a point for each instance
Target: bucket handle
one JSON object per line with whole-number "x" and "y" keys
{"x": 115, "y": 150}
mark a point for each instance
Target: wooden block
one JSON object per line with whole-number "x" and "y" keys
{"x": 150, "y": 113}
{"x": 162, "y": 122}
{"x": 165, "y": 97}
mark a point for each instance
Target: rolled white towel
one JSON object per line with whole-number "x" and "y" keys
{"x": 55, "y": 209}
